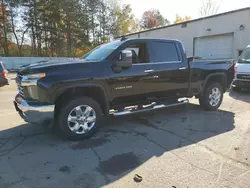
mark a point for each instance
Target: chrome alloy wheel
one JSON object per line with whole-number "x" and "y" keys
{"x": 81, "y": 119}
{"x": 214, "y": 96}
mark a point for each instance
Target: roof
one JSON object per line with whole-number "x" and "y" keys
{"x": 203, "y": 18}
{"x": 151, "y": 39}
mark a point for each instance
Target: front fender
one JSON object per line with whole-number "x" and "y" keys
{"x": 57, "y": 92}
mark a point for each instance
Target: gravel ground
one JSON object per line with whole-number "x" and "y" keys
{"x": 177, "y": 147}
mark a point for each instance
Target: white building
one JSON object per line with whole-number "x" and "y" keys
{"x": 219, "y": 36}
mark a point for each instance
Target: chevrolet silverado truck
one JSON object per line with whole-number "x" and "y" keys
{"x": 121, "y": 77}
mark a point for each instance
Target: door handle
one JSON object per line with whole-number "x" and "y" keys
{"x": 149, "y": 71}
{"x": 183, "y": 68}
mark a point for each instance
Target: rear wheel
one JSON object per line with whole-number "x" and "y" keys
{"x": 79, "y": 118}
{"x": 212, "y": 96}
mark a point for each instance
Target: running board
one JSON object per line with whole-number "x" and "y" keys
{"x": 153, "y": 106}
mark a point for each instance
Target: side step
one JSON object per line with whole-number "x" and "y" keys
{"x": 153, "y": 106}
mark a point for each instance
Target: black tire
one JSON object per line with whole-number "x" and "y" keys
{"x": 65, "y": 110}
{"x": 204, "y": 98}
{"x": 237, "y": 89}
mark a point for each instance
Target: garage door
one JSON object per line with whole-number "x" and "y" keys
{"x": 214, "y": 47}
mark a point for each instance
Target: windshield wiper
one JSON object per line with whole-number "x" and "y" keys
{"x": 92, "y": 59}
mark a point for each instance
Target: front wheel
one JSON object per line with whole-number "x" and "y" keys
{"x": 79, "y": 118}
{"x": 212, "y": 96}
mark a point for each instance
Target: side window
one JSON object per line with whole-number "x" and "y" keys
{"x": 139, "y": 50}
{"x": 164, "y": 52}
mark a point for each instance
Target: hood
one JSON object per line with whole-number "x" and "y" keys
{"x": 51, "y": 64}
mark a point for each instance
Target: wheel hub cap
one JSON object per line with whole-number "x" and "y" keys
{"x": 214, "y": 97}
{"x": 81, "y": 119}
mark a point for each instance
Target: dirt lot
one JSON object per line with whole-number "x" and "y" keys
{"x": 178, "y": 147}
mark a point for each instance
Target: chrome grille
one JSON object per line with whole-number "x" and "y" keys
{"x": 243, "y": 76}
{"x": 19, "y": 87}
{"x": 20, "y": 90}
{"x": 19, "y": 76}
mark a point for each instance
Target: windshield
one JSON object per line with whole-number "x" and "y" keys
{"x": 245, "y": 56}
{"x": 101, "y": 52}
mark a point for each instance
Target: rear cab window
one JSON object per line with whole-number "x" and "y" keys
{"x": 161, "y": 51}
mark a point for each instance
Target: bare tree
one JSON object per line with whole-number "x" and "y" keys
{"x": 4, "y": 26}
{"x": 209, "y": 7}
{"x": 18, "y": 31}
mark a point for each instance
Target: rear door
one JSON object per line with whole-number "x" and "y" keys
{"x": 167, "y": 71}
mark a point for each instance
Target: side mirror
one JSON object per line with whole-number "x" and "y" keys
{"x": 125, "y": 59}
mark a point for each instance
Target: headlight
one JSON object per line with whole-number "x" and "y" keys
{"x": 31, "y": 79}
{"x": 36, "y": 76}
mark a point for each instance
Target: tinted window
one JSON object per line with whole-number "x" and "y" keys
{"x": 164, "y": 52}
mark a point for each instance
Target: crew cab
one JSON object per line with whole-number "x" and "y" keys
{"x": 242, "y": 71}
{"x": 121, "y": 77}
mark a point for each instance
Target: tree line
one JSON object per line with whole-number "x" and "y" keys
{"x": 68, "y": 27}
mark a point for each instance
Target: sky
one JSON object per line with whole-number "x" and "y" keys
{"x": 169, "y": 8}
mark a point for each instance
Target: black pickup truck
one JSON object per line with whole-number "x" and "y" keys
{"x": 117, "y": 78}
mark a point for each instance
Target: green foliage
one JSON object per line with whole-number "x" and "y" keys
{"x": 123, "y": 21}
{"x": 63, "y": 27}
{"x": 66, "y": 27}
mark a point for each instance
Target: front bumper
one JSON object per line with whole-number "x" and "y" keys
{"x": 241, "y": 84}
{"x": 35, "y": 113}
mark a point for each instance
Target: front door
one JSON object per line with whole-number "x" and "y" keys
{"x": 130, "y": 82}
